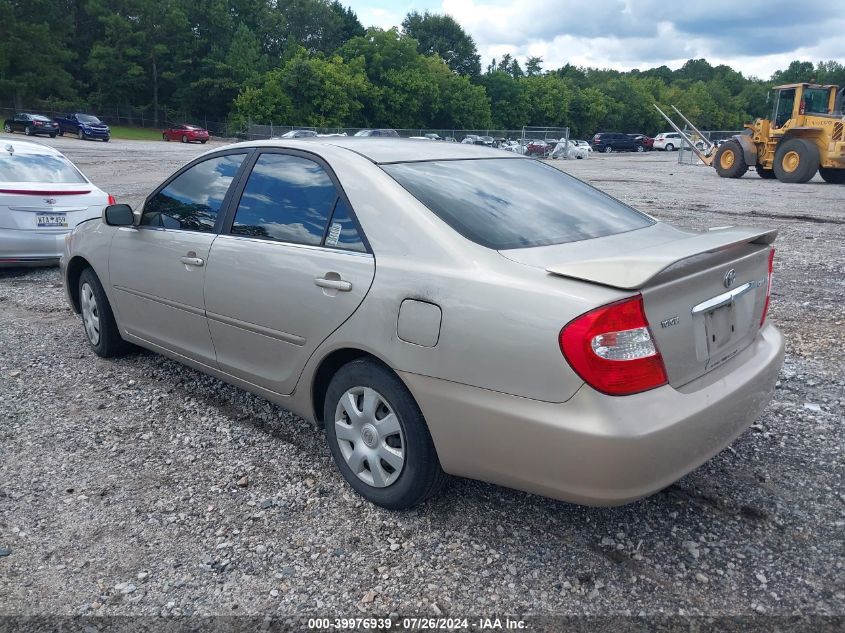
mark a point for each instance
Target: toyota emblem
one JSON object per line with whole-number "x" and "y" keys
{"x": 730, "y": 278}
{"x": 50, "y": 200}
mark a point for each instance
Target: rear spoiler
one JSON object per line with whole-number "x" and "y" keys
{"x": 636, "y": 268}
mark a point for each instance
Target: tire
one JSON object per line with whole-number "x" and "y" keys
{"x": 53, "y": 135}
{"x": 107, "y": 139}
{"x": 8, "y": 129}
{"x": 27, "y": 130}
{"x": 184, "y": 139}
{"x": 640, "y": 148}
{"x": 608, "y": 149}
{"x": 729, "y": 160}
{"x": 203, "y": 142}
{"x": 796, "y": 160}
{"x": 765, "y": 174}
{"x": 414, "y": 473}
{"x": 669, "y": 147}
{"x": 164, "y": 137}
{"x": 832, "y": 176}
{"x": 61, "y": 132}
{"x": 98, "y": 318}
{"x": 81, "y": 135}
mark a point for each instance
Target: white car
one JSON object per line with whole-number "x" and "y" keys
{"x": 43, "y": 196}
{"x": 583, "y": 144}
{"x": 667, "y": 141}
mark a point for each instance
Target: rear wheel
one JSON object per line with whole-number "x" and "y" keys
{"x": 378, "y": 437}
{"x": 640, "y": 148}
{"x": 53, "y": 135}
{"x": 27, "y": 130}
{"x": 608, "y": 149}
{"x": 833, "y": 176}
{"x": 81, "y": 135}
{"x": 669, "y": 147}
{"x": 61, "y": 132}
{"x": 796, "y": 160}
{"x": 184, "y": 139}
{"x": 765, "y": 174}
{"x": 98, "y": 319}
{"x": 164, "y": 137}
{"x": 7, "y": 128}
{"x": 730, "y": 161}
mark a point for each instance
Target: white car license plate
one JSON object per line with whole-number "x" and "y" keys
{"x": 48, "y": 220}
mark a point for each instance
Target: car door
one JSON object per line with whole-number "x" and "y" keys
{"x": 290, "y": 266}
{"x": 157, "y": 268}
{"x": 21, "y": 121}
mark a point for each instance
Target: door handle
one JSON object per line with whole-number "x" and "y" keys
{"x": 334, "y": 284}
{"x": 191, "y": 259}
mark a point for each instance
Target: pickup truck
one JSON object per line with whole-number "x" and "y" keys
{"x": 84, "y": 126}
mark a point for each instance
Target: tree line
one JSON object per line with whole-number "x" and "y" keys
{"x": 312, "y": 63}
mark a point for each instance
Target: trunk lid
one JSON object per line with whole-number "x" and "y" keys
{"x": 48, "y": 207}
{"x": 701, "y": 314}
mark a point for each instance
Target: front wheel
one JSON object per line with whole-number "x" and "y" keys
{"x": 730, "y": 160}
{"x": 81, "y": 135}
{"x": 7, "y": 128}
{"x": 669, "y": 147}
{"x": 107, "y": 139}
{"x": 27, "y": 130}
{"x": 184, "y": 139}
{"x": 833, "y": 176}
{"x": 61, "y": 132}
{"x": 53, "y": 135}
{"x": 378, "y": 437}
{"x": 164, "y": 137}
{"x": 640, "y": 148}
{"x": 796, "y": 160}
{"x": 98, "y": 318}
{"x": 608, "y": 149}
{"x": 203, "y": 142}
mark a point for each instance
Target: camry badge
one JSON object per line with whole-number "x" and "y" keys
{"x": 730, "y": 278}
{"x": 50, "y": 200}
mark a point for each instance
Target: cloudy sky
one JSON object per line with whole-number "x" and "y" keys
{"x": 754, "y": 36}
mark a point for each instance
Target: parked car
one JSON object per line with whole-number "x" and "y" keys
{"x": 608, "y": 142}
{"x": 667, "y": 141}
{"x": 583, "y": 144}
{"x": 389, "y": 133}
{"x": 433, "y": 136}
{"x": 186, "y": 133}
{"x": 31, "y": 125}
{"x": 84, "y": 126}
{"x": 569, "y": 150}
{"x": 521, "y": 327}
{"x": 537, "y": 147}
{"x": 644, "y": 143}
{"x": 299, "y": 134}
{"x": 42, "y": 197}
{"x": 472, "y": 139}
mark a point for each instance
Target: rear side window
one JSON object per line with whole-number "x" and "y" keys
{"x": 514, "y": 203}
{"x": 192, "y": 201}
{"x": 38, "y": 168}
{"x": 288, "y": 199}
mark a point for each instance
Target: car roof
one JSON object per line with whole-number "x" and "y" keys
{"x": 391, "y": 150}
{"x": 25, "y": 147}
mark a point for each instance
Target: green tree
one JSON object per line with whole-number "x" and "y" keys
{"x": 534, "y": 66}
{"x": 442, "y": 35}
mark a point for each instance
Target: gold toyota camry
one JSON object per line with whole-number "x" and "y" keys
{"x": 441, "y": 309}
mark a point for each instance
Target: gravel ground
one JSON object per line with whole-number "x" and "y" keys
{"x": 141, "y": 487}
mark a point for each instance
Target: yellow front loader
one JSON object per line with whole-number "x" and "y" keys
{"x": 805, "y": 135}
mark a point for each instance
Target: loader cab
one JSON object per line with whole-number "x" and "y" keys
{"x": 794, "y": 100}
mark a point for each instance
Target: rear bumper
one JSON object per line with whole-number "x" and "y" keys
{"x": 21, "y": 248}
{"x": 596, "y": 449}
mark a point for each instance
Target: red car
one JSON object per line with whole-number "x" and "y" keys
{"x": 185, "y": 133}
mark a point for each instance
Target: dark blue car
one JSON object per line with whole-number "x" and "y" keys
{"x": 84, "y": 126}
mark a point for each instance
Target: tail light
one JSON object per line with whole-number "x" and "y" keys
{"x": 37, "y": 123}
{"x": 769, "y": 287}
{"x": 112, "y": 200}
{"x": 612, "y": 350}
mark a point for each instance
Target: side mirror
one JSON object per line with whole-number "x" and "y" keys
{"x": 119, "y": 215}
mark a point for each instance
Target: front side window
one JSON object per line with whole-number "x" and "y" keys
{"x": 288, "y": 199}
{"x": 506, "y": 203}
{"x": 816, "y": 101}
{"x": 38, "y": 168}
{"x": 192, "y": 201}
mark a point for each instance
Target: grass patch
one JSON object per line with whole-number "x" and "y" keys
{"x": 135, "y": 133}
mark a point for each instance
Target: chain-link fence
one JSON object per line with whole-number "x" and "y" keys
{"x": 132, "y": 117}
{"x": 688, "y": 157}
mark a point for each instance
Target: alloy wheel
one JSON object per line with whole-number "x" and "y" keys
{"x": 90, "y": 314}
{"x": 370, "y": 436}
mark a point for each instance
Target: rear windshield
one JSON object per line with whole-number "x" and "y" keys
{"x": 514, "y": 203}
{"x": 37, "y": 168}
